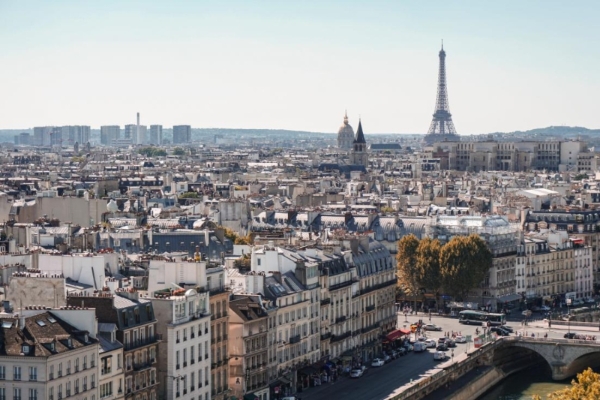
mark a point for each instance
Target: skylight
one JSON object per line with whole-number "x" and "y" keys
{"x": 51, "y": 319}
{"x": 40, "y": 322}
{"x": 7, "y": 324}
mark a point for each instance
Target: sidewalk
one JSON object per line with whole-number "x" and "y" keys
{"x": 315, "y": 390}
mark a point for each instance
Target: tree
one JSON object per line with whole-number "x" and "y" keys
{"x": 178, "y": 151}
{"x": 428, "y": 265}
{"x": 464, "y": 264}
{"x": 189, "y": 195}
{"x": 407, "y": 265}
{"x": 151, "y": 151}
{"x": 585, "y": 387}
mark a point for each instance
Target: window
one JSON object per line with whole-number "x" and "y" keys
{"x": 106, "y": 365}
{"x": 16, "y": 393}
{"x": 33, "y": 373}
{"x": 2, "y": 372}
{"x": 69, "y": 367}
{"x": 68, "y": 389}
{"x": 50, "y": 394}
{"x": 84, "y": 362}
{"x": 106, "y": 389}
{"x": 16, "y": 373}
{"x": 76, "y": 386}
{"x": 3, "y": 394}
{"x": 93, "y": 381}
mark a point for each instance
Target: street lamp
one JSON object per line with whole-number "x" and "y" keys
{"x": 452, "y": 353}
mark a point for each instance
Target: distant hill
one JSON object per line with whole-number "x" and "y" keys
{"x": 559, "y": 131}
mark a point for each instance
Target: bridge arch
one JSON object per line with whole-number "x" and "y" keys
{"x": 565, "y": 357}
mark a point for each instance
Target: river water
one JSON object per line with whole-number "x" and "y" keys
{"x": 523, "y": 385}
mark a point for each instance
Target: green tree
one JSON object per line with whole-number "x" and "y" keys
{"x": 178, "y": 151}
{"x": 189, "y": 195}
{"x": 464, "y": 264}
{"x": 428, "y": 265}
{"x": 585, "y": 387}
{"x": 151, "y": 151}
{"x": 406, "y": 259}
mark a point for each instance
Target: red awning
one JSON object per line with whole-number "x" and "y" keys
{"x": 397, "y": 334}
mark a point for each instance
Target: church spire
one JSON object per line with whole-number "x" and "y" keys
{"x": 346, "y": 117}
{"x": 360, "y": 137}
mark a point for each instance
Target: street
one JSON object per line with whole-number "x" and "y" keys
{"x": 379, "y": 383}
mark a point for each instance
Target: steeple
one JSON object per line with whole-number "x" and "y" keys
{"x": 346, "y": 117}
{"x": 360, "y": 137}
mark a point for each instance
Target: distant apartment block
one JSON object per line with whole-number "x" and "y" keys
{"x": 156, "y": 134}
{"x": 109, "y": 133}
{"x": 182, "y": 134}
{"x": 23, "y": 139}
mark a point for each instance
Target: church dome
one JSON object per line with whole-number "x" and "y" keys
{"x": 345, "y": 136}
{"x": 346, "y": 129}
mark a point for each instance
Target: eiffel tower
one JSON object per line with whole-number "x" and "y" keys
{"x": 442, "y": 127}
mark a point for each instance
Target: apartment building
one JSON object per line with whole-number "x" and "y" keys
{"x": 184, "y": 328}
{"x": 44, "y": 356}
{"x": 182, "y": 134}
{"x": 578, "y": 224}
{"x": 112, "y": 372}
{"x": 136, "y": 329}
{"x": 219, "y": 330}
{"x": 490, "y": 155}
{"x": 249, "y": 351}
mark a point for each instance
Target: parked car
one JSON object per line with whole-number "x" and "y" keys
{"x": 544, "y": 309}
{"x": 356, "y": 373}
{"x": 386, "y": 358}
{"x": 439, "y": 356}
{"x": 570, "y": 335}
{"x": 589, "y": 300}
{"x": 441, "y": 340}
{"x": 460, "y": 339}
{"x": 401, "y": 351}
{"x": 421, "y": 338}
{"x": 450, "y": 343}
{"x": 508, "y": 328}
{"x": 442, "y": 347}
{"x": 378, "y": 362}
{"x": 499, "y": 331}
{"x": 526, "y": 313}
{"x": 431, "y": 343}
{"x": 408, "y": 346}
{"x": 420, "y": 347}
{"x": 431, "y": 327}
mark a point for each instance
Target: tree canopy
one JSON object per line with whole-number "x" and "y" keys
{"x": 151, "y": 151}
{"x": 428, "y": 264}
{"x": 456, "y": 267}
{"x": 407, "y": 264}
{"x": 585, "y": 387}
{"x": 464, "y": 264}
{"x": 178, "y": 151}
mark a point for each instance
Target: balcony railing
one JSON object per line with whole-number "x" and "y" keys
{"x": 370, "y": 328}
{"x": 142, "y": 342}
{"x": 370, "y": 308}
{"x": 325, "y": 301}
{"x": 340, "y": 285}
{"x": 337, "y": 338}
{"x": 326, "y": 336}
{"x": 294, "y": 339}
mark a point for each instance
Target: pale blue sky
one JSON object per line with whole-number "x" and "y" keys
{"x": 512, "y": 65}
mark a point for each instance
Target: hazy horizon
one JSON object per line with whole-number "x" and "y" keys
{"x": 511, "y": 66}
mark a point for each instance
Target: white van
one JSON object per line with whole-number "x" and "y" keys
{"x": 419, "y": 347}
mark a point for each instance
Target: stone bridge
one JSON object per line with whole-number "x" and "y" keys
{"x": 565, "y": 357}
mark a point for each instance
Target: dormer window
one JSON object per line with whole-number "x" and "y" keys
{"x": 86, "y": 338}
{"x": 25, "y": 349}
{"x": 70, "y": 342}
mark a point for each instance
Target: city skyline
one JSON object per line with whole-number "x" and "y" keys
{"x": 284, "y": 66}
